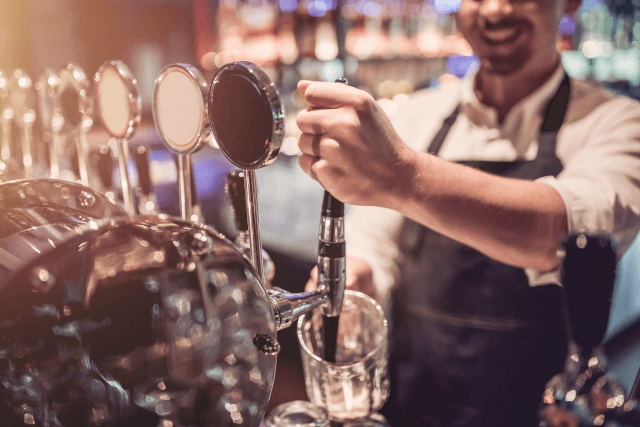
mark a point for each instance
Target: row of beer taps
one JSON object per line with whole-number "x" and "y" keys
{"x": 44, "y": 134}
{"x": 184, "y": 109}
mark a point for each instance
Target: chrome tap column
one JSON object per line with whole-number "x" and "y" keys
{"x": 237, "y": 196}
{"x": 50, "y": 118}
{"x": 119, "y": 108}
{"x": 180, "y": 113}
{"x": 7, "y": 115}
{"x": 75, "y": 107}
{"x": 247, "y": 120}
{"x": 23, "y": 104}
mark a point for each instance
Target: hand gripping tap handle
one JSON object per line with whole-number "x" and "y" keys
{"x": 332, "y": 250}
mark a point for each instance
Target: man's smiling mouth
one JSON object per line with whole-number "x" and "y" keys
{"x": 501, "y": 33}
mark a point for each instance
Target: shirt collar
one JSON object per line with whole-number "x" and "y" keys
{"x": 530, "y": 107}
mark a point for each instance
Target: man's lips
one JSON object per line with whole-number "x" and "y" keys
{"x": 501, "y": 33}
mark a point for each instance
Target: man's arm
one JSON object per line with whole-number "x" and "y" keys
{"x": 351, "y": 148}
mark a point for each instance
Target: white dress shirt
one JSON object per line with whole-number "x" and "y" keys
{"x": 598, "y": 145}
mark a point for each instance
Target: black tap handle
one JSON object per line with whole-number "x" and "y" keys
{"x": 141, "y": 159}
{"x": 588, "y": 275}
{"x": 331, "y": 206}
{"x": 194, "y": 193}
{"x": 235, "y": 189}
{"x": 104, "y": 164}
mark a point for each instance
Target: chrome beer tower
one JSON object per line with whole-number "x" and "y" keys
{"x": 585, "y": 394}
{"x": 247, "y": 121}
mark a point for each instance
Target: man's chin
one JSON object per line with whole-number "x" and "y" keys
{"x": 502, "y": 66}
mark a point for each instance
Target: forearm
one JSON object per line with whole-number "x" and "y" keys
{"x": 517, "y": 222}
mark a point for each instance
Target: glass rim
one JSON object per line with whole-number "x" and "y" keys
{"x": 369, "y": 355}
{"x": 287, "y": 408}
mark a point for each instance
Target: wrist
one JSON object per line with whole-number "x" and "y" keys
{"x": 404, "y": 185}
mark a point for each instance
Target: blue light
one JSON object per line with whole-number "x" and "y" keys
{"x": 288, "y": 5}
{"x": 369, "y": 8}
{"x": 331, "y": 70}
{"x": 567, "y": 25}
{"x": 372, "y": 9}
{"x": 461, "y": 66}
{"x": 588, "y": 5}
{"x": 446, "y": 6}
{"x": 318, "y": 8}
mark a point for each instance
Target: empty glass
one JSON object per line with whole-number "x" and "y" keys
{"x": 358, "y": 383}
{"x": 373, "y": 420}
{"x": 298, "y": 413}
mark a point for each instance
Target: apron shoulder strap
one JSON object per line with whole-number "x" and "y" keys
{"x": 438, "y": 140}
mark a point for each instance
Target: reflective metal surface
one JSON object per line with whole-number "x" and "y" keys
{"x": 50, "y": 118}
{"x": 23, "y": 103}
{"x": 246, "y": 115}
{"x": 73, "y": 96}
{"x": 40, "y": 214}
{"x": 181, "y": 117}
{"x": 128, "y": 322}
{"x": 117, "y": 100}
{"x": 8, "y": 166}
{"x": 119, "y": 106}
{"x": 247, "y": 121}
{"x": 180, "y": 108}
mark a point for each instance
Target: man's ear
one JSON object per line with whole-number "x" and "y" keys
{"x": 572, "y": 6}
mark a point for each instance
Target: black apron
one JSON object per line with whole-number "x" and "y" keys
{"x": 472, "y": 343}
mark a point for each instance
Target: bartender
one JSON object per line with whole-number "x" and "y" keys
{"x": 461, "y": 204}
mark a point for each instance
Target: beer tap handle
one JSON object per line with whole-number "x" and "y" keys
{"x": 235, "y": 189}
{"x": 332, "y": 250}
{"x": 588, "y": 277}
{"x": 147, "y": 203}
{"x": 104, "y": 164}
{"x": 55, "y": 148}
{"x": 196, "y": 210}
{"x": 141, "y": 159}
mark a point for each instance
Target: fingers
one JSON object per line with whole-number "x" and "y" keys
{"x": 331, "y": 95}
{"x": 309, "y": 165}
{"x": 317, "y": 145}
{"x": 317, "y": 122}
{"x": 310, "y": 144}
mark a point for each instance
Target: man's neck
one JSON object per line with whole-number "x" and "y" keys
{"x": 503, "y": 91}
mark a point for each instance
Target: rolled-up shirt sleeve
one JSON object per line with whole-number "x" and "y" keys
{"x": 600, "y": 181}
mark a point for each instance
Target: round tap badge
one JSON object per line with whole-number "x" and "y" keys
{"x": 180, "y": 108}
{"x": 246, "y": 115}
{"x": 117, "y": 99}
{"x": 73, "y": 100}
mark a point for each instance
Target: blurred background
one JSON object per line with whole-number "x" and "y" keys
{"x": 389, "y": 48}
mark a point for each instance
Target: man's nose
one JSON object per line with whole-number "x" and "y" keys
{"x": 495, "y": 10}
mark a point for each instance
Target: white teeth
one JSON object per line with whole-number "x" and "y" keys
{"x": 500, "y": 34}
